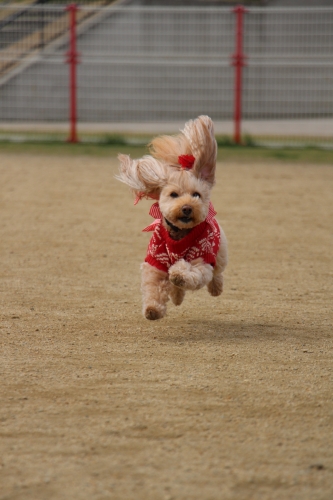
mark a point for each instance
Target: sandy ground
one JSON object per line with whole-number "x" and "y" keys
{"x": 227, "y": 398}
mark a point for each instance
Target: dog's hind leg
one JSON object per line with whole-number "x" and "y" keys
{"x": 155, "y": 291}
{"x": 176, "y": 294}
{"x": 215, "y": 287}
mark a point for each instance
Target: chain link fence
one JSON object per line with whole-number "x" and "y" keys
{"x": 159, "y": 65}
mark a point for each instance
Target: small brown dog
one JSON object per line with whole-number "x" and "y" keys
{"x": 188, "y": 249}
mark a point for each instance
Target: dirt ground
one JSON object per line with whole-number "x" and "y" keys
{"x": 226, "y": 398}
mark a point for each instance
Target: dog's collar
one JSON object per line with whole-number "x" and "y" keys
{"x": 174, "y": 228}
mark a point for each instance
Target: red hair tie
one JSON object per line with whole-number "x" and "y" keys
{"x": 186, "y": 161}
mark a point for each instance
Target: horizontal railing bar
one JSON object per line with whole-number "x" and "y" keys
{"x": 155, "y": 8}
{"x": 136, "y": 61}
{"x": 175, "y": 62}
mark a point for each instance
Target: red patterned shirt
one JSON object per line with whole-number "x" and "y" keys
{"x": 203, "y": 241}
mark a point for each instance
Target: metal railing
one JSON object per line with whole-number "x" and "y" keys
{"x": 163, "y": 64}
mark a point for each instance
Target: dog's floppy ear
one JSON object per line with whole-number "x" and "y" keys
{"x": 145, "y": 176}
{"x": 200, "y": 134}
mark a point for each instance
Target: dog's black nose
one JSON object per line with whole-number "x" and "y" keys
{"x": 187, "y": 210}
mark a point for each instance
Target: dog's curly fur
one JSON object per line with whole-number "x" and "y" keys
{"x": 159, "y": 175}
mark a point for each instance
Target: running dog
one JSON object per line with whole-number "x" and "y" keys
{"x": 188, "y": 248}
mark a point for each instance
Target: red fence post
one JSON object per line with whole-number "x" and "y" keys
{"x": 72, "y": 60}
{"x": 238, "y": 62}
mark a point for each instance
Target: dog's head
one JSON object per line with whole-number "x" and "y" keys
{"x": 179, "y": 172}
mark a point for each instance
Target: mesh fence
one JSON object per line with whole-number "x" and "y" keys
{"x": 290, "y": 66}
{"x": 33, "y": 76}
{"x": 159, "y": 64}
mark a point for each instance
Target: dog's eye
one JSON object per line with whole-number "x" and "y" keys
{"x": 173, "y": 194}
{"x": 196, "y": 195}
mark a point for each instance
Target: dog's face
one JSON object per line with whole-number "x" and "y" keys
{"x": 184, "y": 200}
{"x": 183, "y": 191}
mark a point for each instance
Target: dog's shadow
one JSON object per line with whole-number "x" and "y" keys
{"x": 215, "y": 331}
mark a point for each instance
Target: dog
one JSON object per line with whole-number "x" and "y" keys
{"x": 188, "y": 248}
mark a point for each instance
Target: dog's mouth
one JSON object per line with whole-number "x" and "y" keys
{"x": 177, "y": 229}
{"x": 185, "y": 220}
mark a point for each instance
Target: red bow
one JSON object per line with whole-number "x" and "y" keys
{"x": 186, "y": 161}
{"x": 141, "y": 195}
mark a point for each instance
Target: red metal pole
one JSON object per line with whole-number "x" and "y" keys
{"x": 238, "y": 62}
{"x": 72, "y": 60}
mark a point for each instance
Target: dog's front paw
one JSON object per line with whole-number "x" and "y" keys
{"x": 178, "y": 272}
{"x": 154, "y": 310}
{"x": 152, "y": 313}
{"x": 178, "y": 280}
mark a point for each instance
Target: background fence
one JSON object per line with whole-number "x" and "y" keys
{"x": 158, "y": 65}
